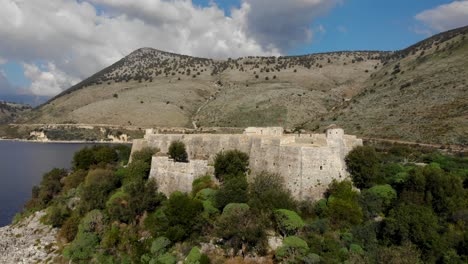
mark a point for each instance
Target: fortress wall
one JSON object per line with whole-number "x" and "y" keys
{"x": 319, "y": 167}
{"x": 176, "y": 176}
{"x": 308, "y": 162}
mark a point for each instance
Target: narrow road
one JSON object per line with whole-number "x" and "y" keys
{"x": 460, "y": 148}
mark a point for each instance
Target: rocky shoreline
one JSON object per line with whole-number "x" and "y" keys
{"x": 28, "y": 241}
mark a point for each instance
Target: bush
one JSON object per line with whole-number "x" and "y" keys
{"x": 98, "y": 185}
{"x": 206, "y": 195}
{"x": 57, "y": 214}
{"x": 144, "y": 155}
{"x": 234, "y": 190}
{"x": 268, "y": 192}
{"x": 288, "y": 222}
{"x": 137, "y": 170}
{"x": 228, "y": 209}
{"x": 177, "y": 151}
{"x": 196, "y": 257}
{"x": 83, "y": 159}
{"x": 69, "y": 228}
{"x": 230, "y": 163}
{"x": 182, "y": 213}
{"x": 49, "y": 188}
{"x": 85, "y": 244}
{"x": 384, "y": 192}
{"x": 292, "y": 250}
{"x": 74, "y": 179}
{"x": 202, "y": 183}
{"x": 241, "y": 229}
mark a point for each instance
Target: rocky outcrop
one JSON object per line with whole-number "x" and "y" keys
{"x": 28, "y": 241}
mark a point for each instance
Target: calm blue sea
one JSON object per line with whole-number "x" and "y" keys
{"x": 22, "y": 165}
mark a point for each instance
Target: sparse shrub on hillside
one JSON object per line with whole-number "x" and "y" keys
{"x": 177, "y": 151}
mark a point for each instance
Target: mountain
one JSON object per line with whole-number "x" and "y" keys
{"x": 419, "y": 93}
{"x": 10, "y": 111}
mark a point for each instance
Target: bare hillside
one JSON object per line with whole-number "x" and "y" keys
{"x": 416, "y": 94}
{"x": 421, "y": 95}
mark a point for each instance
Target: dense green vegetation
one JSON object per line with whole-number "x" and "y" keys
{"x": 411, "y": 207}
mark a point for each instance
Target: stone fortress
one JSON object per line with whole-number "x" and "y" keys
{"x": 307, "y": 162}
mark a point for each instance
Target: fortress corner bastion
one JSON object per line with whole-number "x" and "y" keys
{"x": 307, "y": 162}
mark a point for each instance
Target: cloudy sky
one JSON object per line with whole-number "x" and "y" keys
{"x": 48, "y": 45}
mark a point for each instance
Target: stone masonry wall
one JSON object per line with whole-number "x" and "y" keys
{"x": 308, "y": 162}
{"x": 177, "y": 176}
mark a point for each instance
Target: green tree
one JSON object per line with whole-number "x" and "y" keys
{"x": 342, "y": 205}
{"x": 364, "y": 166}
{"x": 288, "y": 222}
{"x": 241, "y": 229}
{"x": 268, "y": 192}
{"x": 177, "y": 151}
{"x": 83, "y": 159}
{"x": 411, "y": 223}
{"x": 233, "y": 190}
{"x": 230, "y": 163}
{"x": 182, "y": 213}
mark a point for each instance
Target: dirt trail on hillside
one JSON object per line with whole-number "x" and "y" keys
{"x": 456, "y": 148}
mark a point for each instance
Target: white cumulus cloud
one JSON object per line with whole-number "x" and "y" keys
{"x": 445, "y": 17}
{"x": 75, "y": 39}
{"x": 48, "y": 81}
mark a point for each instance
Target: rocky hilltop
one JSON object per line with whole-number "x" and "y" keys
{"x": 417, "y": 94}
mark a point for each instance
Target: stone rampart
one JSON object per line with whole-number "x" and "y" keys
{"x": 177, "y": 176}
{"x": 308, "y": 162}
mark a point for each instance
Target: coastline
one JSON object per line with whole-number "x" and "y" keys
{"x": 67, "y": 141}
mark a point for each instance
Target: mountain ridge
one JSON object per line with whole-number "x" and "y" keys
{"x": 154, "y": 88}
